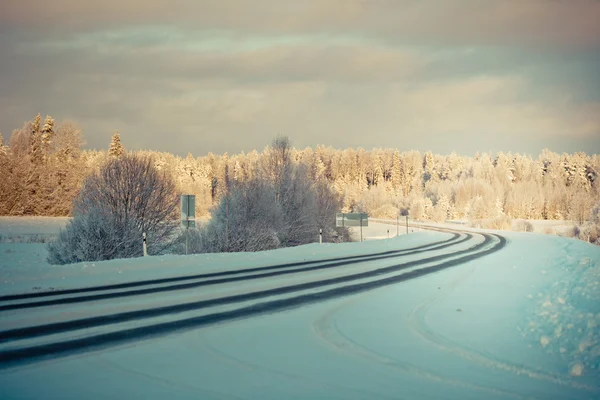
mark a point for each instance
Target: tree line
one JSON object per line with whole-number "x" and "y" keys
{"x": 128, "y": 198}
{"x": 43, "y": 167}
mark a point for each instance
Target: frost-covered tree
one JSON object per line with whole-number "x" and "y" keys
{"x": 66, "y": 169}
{"x": 116, "y": 149}
{"x": 429, "y": 168}
{"x": 246, "y": 219}
{"x": 125, "y": 198}
{"x": 278, "y": 165}
{"x": 397, "y": 178}
{"x": 47, "y": 134}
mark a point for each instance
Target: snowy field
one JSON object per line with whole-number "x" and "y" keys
{"x": 435, "y": 315}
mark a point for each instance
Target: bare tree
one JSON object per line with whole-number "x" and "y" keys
{"x": 126, "y": 197}
{"x": 246, "y": 219}
{"x": 278, "y": 165}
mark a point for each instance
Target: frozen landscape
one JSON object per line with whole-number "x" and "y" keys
{"x": 434, "y": 314}
{"x": 183, "y": 183}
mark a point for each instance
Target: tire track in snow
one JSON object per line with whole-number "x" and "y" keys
{"x": 327, "y": 330}
{"x": 79, "y": 345}
{"x": 97, "y": 321}
{"x": 126, "y": 285}
{"x": 417, "y": 324}
{"x": 202, "y": 282}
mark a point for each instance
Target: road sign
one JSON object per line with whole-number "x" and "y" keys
{"x": 351, "y": 219}
{"x": 188, "y": 210}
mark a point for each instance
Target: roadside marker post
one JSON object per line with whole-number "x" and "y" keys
{"x": 144, "y": 245}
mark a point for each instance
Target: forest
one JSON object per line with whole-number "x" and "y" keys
{"x": 43, "y": 165}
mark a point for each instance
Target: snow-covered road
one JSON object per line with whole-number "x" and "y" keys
{"x": 463, "y": 316}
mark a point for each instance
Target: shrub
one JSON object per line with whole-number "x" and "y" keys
{"x": 94, "y": 237}
{"x": 280, "y": 207}
{"x": 502, "y": 222}
{"x": 246, "y": 219}
{"x": 524, "y": 226}
{"x": 386, "y": 211}
{"x": 125, "y": 198}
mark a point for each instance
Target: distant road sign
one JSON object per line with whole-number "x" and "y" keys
{"x": 188, "y": 210}
{"x": 351, "y": 219}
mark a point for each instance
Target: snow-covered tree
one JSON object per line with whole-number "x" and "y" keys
{"x": 47, "y": 134}
{"x": 429, "y": 168}
{"x": 397, "y": 178}
{"x": 127, "y": 197}
{"x": 116, "y": 149}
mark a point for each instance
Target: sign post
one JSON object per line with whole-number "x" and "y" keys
{"x": 405, "y": 213}
{"x": 352, "y": 219}
{"x": 188, "y": 215}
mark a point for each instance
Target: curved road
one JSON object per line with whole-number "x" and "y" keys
{"x": 64, "y": 337}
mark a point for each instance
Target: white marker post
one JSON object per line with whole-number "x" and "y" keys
{"x": 361, "y": 216}
{"x": 320, "y": 236}
{"x": 145, "y": 249}
{"x": 188, "y": 215}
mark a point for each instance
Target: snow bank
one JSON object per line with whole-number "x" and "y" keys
{"x": 24, "y": 267}
{"x": 564, "y": 317}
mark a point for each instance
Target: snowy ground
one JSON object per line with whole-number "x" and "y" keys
{"x": 30, "y": 229}
{"x": 519, "y": 323}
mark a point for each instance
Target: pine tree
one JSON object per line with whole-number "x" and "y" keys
{"x": 116, "y": 149}
{"x": 35, "y": 168}
{"x": 37, "y": 123}
{"x": 318, "y": 167}
{"x": 429, "y": 168}
{"x": 578, "y": 171}
{"x": 47, "y": 134}
{"x": 443, "y": 207}
{"x": 396, "y": 172}
{"x": 499, "y": 206}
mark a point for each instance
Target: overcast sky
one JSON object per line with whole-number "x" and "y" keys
{"x": 225, "y": 75}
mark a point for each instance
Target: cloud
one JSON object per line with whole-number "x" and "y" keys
{"x": 449, "y": 22}
{"x": 201, "y": 76}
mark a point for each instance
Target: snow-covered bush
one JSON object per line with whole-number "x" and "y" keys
{"x": 281, "y": 206}
{"x": 94, "y": 236}
{"x": 379, "y": 202}
{"x": 125, "y": 198}
{"x": 589, "y": 231}
{"x": 247, "y": 219}
{"x": 386, "y": 211}
{"x": 502, "y": 222}
{"x": 523, "y": 226}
